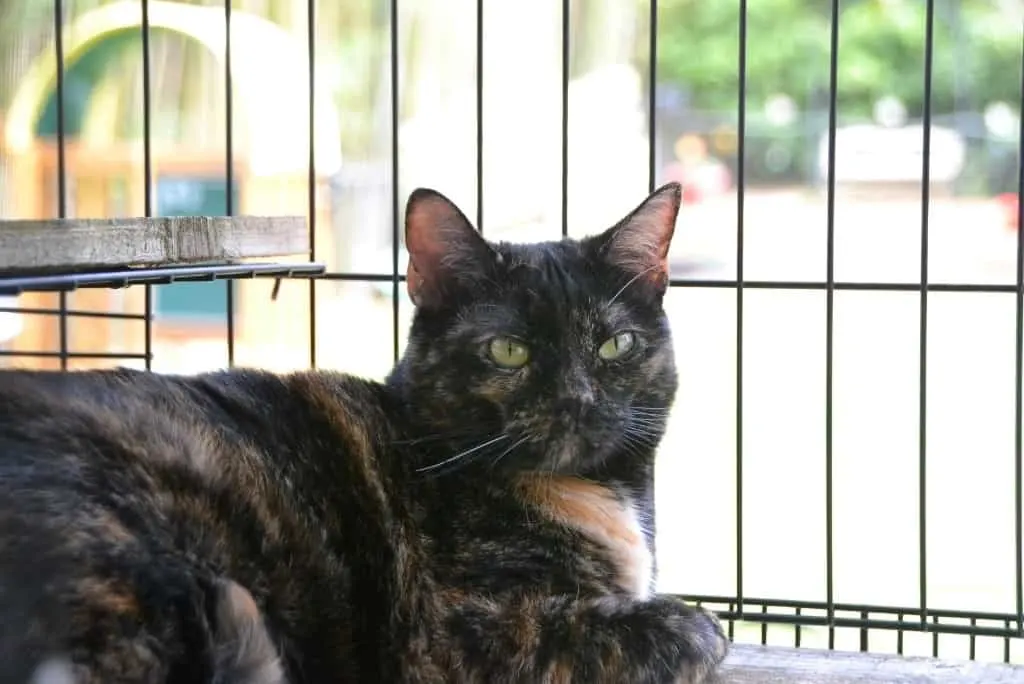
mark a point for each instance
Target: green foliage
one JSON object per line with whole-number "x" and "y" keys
{"x": 976, "y": 55}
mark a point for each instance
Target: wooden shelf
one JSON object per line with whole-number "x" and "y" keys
{"x": 63, "y": 245}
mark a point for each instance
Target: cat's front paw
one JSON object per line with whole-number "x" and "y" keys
{"x": 691, "y": 641}
{"x": 712, "y": 642}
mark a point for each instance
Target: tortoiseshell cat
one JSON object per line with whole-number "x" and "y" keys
{"x": 482, "y": 516}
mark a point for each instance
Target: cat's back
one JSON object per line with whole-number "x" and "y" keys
{"x": 124, "y": 416}
{"x": 100, "y": 460}
{"x": 127, "y": 496}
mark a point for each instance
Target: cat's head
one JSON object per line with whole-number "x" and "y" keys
{"x": 548, "y": 356}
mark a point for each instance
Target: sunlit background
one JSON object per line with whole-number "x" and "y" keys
{"x": 975, "y": 112}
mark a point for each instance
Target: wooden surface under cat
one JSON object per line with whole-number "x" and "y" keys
{"x": 778, "y": 665}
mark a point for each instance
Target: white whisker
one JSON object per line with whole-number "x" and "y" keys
{"x": 506, "y": 452}
{"x": 630, "y": 282}
{"x": 462, "y": 454}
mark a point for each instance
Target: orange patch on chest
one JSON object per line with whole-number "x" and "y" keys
{"x": 596, "y": 512}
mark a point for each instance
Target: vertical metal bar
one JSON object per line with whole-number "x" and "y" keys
{"x": 311, "y": 180}
{"x": 1006, "y": 643}
{"x": 741, "y": 163}
{"x": 652, "y": 85}
{"x": 797, "y": 632}
{"x": 480, "y": 116}
{"x": 830, "y": 279}
{"x": 652, "y": 127}
{"x": 566, "y": 15}
{"x": 929, "y": 39}
{"x": 864, "y": 641}
{"x": 972, "y": 642}
{"x": 229, "y": 170}
{"x": 147, "y": 167}
{"x": 1018, "y": 441}
{"x": 62, "y": 192}
{"x": 395, "y": 206}
{"x": 899, "y": 634}
{"x": 935, "y": 638}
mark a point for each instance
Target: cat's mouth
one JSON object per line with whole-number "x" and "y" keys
{"x": 564, "y": 453}
{"x": 568, "y": 452}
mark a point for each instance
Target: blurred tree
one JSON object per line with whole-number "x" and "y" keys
{"x": 977, "y": 52}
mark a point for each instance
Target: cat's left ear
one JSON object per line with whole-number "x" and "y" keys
{"x": 445, "y": 250}
{"x": 638, "y": 244}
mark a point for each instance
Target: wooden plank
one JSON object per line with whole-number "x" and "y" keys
{"x": 775, "y": 665}
{"x": 55, "y": 244}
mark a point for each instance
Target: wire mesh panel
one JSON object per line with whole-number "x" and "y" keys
{"x": 843, "y": 467}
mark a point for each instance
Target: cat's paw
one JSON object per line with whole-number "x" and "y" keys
{"x": 692, "y": 641}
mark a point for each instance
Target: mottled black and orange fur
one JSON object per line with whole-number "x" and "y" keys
{"x": 459, "y": 522}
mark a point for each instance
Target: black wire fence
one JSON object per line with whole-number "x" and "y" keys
{"x": 872, "y": 626}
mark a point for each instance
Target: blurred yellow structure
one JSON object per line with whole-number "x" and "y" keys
{"x": 106, "y": 175}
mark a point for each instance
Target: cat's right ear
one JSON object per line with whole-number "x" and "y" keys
{"x": 444, "y": 248}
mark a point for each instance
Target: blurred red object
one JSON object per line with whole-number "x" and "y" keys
{"x": 699, "y": 181}
{"x": 1010, "y": 202}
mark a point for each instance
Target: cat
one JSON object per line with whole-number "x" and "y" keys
{"x": 485, "y": 514}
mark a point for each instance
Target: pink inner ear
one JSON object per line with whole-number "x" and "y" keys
{"x": 640, "y": 244}
{"x": 413, "y": 283}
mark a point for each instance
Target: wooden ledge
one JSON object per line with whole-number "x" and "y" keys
{"x": 775, "y": 665}
{"x": 63, "y": 244}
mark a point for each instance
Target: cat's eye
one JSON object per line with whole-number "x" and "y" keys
{"x": 617, "y": 346}
{"x": 508, "y": 353}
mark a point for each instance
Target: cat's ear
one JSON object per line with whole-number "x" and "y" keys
{"x": 638, "y": 244}
{"x": 444, "y": 248}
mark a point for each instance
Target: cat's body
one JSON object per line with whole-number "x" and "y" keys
{"x": 483, "y": 516}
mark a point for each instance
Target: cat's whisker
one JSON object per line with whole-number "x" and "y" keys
{"x": 644, "y": 438}
{"x": 630, "y": 282}
{"x": 422, "y": 439}
{"x": 509, "y": 450}
{"x": 462, "y": 454}
{"x": 643, "y": 420}
{"x": 633, "y": 448}
{"x": 651, "y": 427}
{"x": 645, "y": 428}
{"x": 648, "y": 418}
{"x": 649, "y": 410}
{"x": 438, "y": 436}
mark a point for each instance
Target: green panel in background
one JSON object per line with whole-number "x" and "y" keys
{"x": 190, "y": 196}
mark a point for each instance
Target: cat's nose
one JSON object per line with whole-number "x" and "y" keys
{"x": 576, "y": 386}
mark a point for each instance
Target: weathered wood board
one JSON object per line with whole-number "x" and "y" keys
{"x": 775, "y": 665}
{"x": 66, "y": 244}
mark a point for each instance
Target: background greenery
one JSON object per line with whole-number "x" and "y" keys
{"x": 976, "y": 61}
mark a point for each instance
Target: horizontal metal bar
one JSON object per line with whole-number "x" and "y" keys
{"x": 845, "y": 285}
{"x": 360, "y": 277}
{"x": 910, "y": 625}
{"x": 12, "y": 353}
{"x": 124, "y": 277}
{"x": 35, "y": 311}
{"x": 850, "y": 607}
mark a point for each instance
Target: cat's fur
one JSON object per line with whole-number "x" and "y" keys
{"x": 461, "y": 522}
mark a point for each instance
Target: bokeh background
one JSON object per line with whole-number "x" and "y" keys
{"x": 975, "y": 110}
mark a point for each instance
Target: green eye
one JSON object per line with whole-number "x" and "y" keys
{"x": 617, "y": 346}
{"x": 509, "y": 353}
